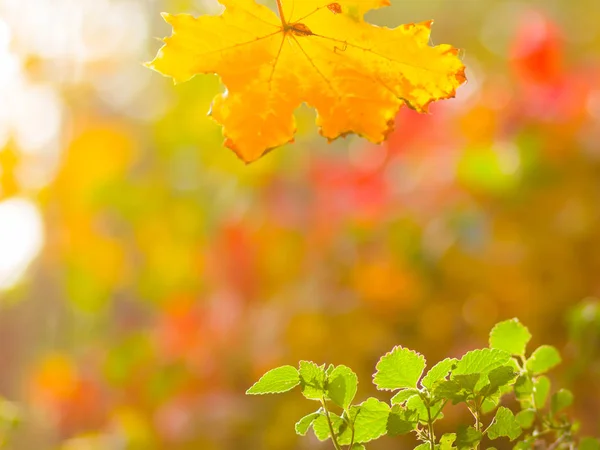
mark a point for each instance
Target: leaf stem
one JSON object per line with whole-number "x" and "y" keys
{"x": 440, "y": 410}
{"x": 352, "y": 439}
{"x": 480, "y": 423}
{"x": 333, "y": 436}
{"x": 430, "y": 428}
{"x": 281, "y": 16}
{"x": 476, "y": 412}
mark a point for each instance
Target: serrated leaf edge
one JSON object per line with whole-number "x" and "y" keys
{"x": 272, "y": 392}
{"x": 396, "y": 347}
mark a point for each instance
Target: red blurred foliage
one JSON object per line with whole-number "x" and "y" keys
{"x": 537, "y": 50}
{"x": 71, "y": 398}
{"x": 343, "y": 190}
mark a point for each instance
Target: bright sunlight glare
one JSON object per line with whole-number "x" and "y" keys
{"x": 21, "y": 238}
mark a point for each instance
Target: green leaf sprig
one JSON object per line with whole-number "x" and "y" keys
{"x": 480, "y": 379}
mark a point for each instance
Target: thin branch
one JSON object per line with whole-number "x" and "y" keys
{"x": 333, "y": 436}
{"x": 430, "y": 428}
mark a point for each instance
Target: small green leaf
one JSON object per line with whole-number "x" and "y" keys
{"x": 425, "y": 446}
{"x": 450, "y": 390}
{"x": 510, "y": 336}
{"x": 275, "y": 381}
{"x": 481, "y": 361}
{"x": 304, "y": 424}
{"x": 329, "y": 370}
{"x": 438, "y": 372}
{"x": 342, "y": 384}
{"x": 589, "y": 443}
{"x": 447, "y": 440}
{"x": 458, "y": 389}
{"x": 498, "y": 378}
{"x": 401, "y": 421}
{"x": 417, "y": 404}
{"x": 321, "y": 427}
{"x": 504, "y": 425}
{"x": 561, "y": 400}
{"x": 400, "y": 368}
{"x": 370, "y": 420}
{"x": 467, "y": 381}
{"x": 403, "y": 395}
{"x": 358, "y": 447}
{"x": 524, "y": 388}
{"x": 490, "y": 404}
{"x": 467, "y": 438}
{"x": 526, "y": 417}
{"x": 312, "y": 380}
{"x": 543, "y": 359}
{"x": 541, "y": 389}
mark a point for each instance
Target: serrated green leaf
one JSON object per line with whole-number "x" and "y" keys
{"x": 446, "y": 441}
{"x": 276, "y": 381}
{"x": 511, "y": 336}
{"x": 304, "y": 424}
{"x": 450, "y": 390}
{"x": 467, "y": 438}
{"x": 561, "y": 400}
{"x": 504, "y": 425}
{"x": 461, "y": 388}
{"x": 321, "y": 427}
{"x": 400, "y": 368}
{"x": 438, "y": 372}
{"x": 458, "y": 389}
{"x": 589, "y": 443}
{"x": 471, "y": 382}
{"x": 417, "y": 404}
{"x": 342, "y": 384}
{"x": 541, "y": 389}
{"x": 524, "y": 388}
{"x": 543, "y": 359}
{"x": 403, "y": 395}
{"x": 498, "y": 378}
{"x": 490, "y": 403}
{"x": 481, "y": 361}
{"x": 312, "y": 380}
{"x": 526, "y": 417}
{"x": 370, "y": 420}
{"x": 358, "y": 447}
{"x": 401, "y": 421}
{"x": 329, "y": 370}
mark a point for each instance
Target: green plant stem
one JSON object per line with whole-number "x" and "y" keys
{"x": 430, "y": 429}
{"x": 476, "y": 412}
{"x": 440, "y": 410}
{"x": 333, "y": 436}
{"x": 558, "y": 442}
{"x": 352, "y": 439}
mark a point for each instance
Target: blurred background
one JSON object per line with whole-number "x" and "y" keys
{"x": 148, "y": 277}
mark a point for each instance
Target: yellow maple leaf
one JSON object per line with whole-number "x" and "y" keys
{"x": 355, "y": 74}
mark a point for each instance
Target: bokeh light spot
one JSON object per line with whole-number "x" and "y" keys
{"x": 21, "y": 238}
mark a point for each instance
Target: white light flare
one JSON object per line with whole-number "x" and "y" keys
{"x": 21, "y": 239}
